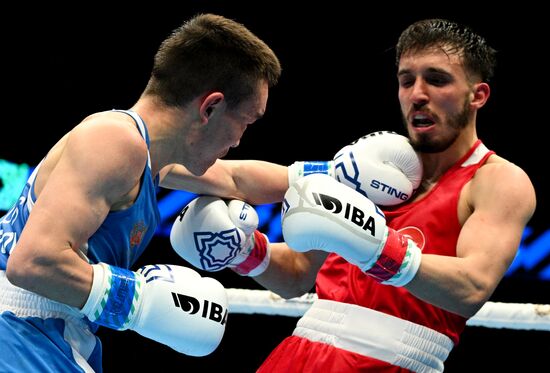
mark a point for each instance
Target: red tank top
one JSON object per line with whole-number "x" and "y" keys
{"x": 432, "y": 222}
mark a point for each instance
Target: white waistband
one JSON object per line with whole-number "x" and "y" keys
{"x": 24, "y": 303}
{"x": 375, "y": 334}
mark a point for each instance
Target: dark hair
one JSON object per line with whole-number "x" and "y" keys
{"x": 211, "y": 53}
{"x": 478, "y": 57}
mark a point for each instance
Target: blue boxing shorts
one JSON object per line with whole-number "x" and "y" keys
{"x": 40, "y": 335}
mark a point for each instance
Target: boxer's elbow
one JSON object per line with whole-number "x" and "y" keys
{"x": 27, "y": 271}
{"x": 477, "y": 301}
{"x": 477, "y": 295}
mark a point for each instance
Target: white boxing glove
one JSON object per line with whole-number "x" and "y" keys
{"x": 320, "y": 213}
{"x": 170, "y": 304}
{"x": 382, "y": 166}
{"x": 213, "y": 234}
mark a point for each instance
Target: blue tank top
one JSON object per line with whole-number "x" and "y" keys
{"x": 123, "y": 235}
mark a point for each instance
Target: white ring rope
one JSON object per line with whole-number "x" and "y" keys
{"x": 524, "y": 316}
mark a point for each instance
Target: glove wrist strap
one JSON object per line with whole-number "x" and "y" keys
{"x": 398, "y": 261}
{"x": 301, "y": 169}
{"x": 258, "y": 259}
{"x": 113, "y": 300}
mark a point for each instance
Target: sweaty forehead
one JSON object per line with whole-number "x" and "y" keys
{"x": 431, "y": 58}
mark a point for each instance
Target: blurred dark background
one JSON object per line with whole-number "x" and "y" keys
{"x": 338, "y": 84}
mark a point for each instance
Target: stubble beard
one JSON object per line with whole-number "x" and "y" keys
{"x": 424, "y": 143}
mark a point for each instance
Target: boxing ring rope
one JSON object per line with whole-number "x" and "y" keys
{"x": 525, "y": 316}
